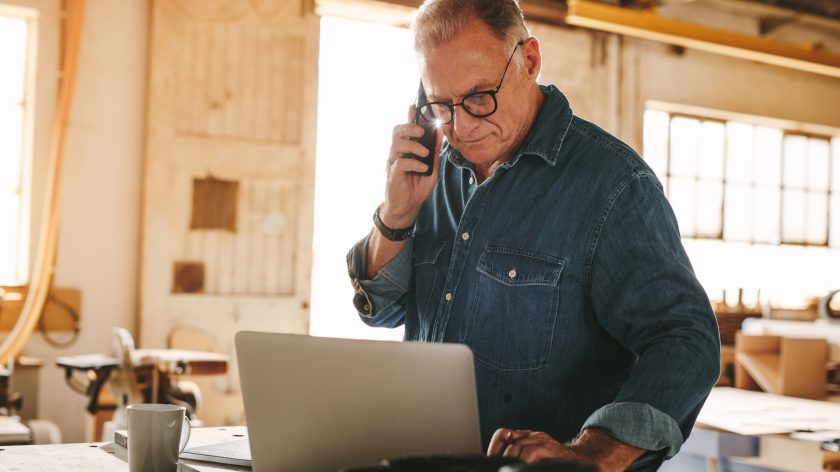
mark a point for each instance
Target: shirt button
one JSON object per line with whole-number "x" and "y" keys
{"x": 465, "y": 236}
{"x": 472, "y": 180}
{"x": 448, "y": 296}
{"x": 512, "y": 273}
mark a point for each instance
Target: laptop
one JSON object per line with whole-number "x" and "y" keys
{"x": 326, "y": 404}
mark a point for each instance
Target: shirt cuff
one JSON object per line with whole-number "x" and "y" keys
{"x": 639, "y": 425}
{"x": 387, "y": 287}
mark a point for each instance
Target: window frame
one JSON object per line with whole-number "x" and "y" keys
{"x": 787, "y": 128}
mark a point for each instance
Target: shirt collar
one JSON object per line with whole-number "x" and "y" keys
{"x": 544, "y": 139}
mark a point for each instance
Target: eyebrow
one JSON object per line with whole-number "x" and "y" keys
{"x": 480, "y": 87}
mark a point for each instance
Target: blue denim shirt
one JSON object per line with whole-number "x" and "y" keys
{"x": 565, "y": 274}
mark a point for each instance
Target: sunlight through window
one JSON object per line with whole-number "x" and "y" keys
{"x": 751, "y": 200}
{"x": 14, "y": 251}
{"x": 367, "y": 81}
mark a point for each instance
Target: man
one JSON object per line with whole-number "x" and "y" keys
{"x": 545, "y": 245}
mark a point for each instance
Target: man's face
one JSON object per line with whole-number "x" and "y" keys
{"x": 474, "y": 61}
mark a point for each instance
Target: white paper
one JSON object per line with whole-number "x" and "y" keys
{"x": 753, "y": 413}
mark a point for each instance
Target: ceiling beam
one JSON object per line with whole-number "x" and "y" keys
{"x": 647, "y": 24}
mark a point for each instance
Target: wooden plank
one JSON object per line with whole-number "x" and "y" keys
{"x": 646, "y": 24}
{"x": 61, "y": 306}
{"x": 763, "y": 368}
{"x": 242, "y": 111}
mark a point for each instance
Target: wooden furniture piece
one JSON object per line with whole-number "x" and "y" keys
{"x": 786, "y": 366}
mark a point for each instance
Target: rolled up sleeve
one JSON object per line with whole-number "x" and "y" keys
{"x": 645, "y": 294}
{"x": 639, "y": 425}
{"x": 380, "y": 301}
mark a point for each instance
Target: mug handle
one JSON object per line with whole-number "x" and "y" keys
{"x": 185, "y": 439}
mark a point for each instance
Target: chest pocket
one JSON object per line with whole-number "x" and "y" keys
{"x": 511, "y": 320}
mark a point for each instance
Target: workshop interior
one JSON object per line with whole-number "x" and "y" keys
{"x": 173, "y": 172}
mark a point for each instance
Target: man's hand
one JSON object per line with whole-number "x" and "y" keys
{"x": 405, "y": 191}
{"x": 405, "y": 188}
{"x": 593, "y": 446}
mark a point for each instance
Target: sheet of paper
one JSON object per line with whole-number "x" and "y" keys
{"x": 754, "y": 413}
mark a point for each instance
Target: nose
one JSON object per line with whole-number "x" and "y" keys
{"x": 463, "y": 123}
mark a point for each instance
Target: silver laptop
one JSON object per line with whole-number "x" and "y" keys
{"x": 325, "y": 404}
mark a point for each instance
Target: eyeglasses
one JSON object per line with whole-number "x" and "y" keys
{"x": 478, "y": 104}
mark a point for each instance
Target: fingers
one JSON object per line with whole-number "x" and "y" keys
{"x": 404, "y": 165}
{"x": 503, "y": 438}
{"x": 405, "y": 131}
{"x": 529, "y": 446}
{"x": 401, "y": 142}
{"x": 402, "y": 145}
{"x": 498, "y": 442}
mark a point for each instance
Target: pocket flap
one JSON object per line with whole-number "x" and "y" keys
{"x": 514, "y": 267}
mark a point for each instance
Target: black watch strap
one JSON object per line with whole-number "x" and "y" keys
{"x": 391, "y": 234}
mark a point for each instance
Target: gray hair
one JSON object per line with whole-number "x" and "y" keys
{"x": 438, "y": 21}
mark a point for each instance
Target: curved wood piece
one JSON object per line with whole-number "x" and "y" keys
{"x": 42, "y": 274}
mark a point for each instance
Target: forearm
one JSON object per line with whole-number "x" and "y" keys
{"x": 382, "y": 250}
{"x": 608, "y": 453}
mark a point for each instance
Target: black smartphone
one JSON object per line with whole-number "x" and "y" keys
{"x": 429, "y": 136}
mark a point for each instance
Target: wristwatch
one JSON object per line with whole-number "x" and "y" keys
{"x": 391, "y": 234}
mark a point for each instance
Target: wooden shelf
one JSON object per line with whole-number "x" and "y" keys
{"x": 785, "y": 366}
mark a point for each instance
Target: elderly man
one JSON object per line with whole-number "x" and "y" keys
{"x": 544, "y": 244}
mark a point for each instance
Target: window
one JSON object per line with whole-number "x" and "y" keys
{"x": 16, "y": 29}
{"x": 353, "y": 143}
{"x": 757, "y": 201}
{"x": 742, "y": 182}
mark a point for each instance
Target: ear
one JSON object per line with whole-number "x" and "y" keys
{"x": 533, "y": 57}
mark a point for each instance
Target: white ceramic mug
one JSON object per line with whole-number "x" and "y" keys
{"x": 156, "y": 436}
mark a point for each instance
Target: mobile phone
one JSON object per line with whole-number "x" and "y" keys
{"x": 429, "y": 137}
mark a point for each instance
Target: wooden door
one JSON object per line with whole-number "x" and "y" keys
{"x": 229, "y": 168}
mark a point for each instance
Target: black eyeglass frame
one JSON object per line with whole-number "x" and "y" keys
{"x": 451, "y": 106}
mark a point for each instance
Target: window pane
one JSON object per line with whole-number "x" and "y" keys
{"x": 712, "y": 146}
{"x": 817, "y": 218}
{"x": 793, "y": 216}
{"x": 835, "y": 222}
{"x": 683, "y": 196}
{"x": 737, "y": 214}
{"x": 13, "y": 33}
{"x": 767, "y": 214}
{"x": 709, "y": 209}
{"x": 739, "y": 152}
{"x": 796, "y": 151}
{"x": 835, "y": 165}
{"x": 834, "y": 229}
{"x": 9, "y": 207}
{"x": 11, "y": 133}
{"x": 656, "y": 141}
{"x": 684, "y": 146}
{"x": 818, "y": 164}
{"x": 768, "y": 156}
